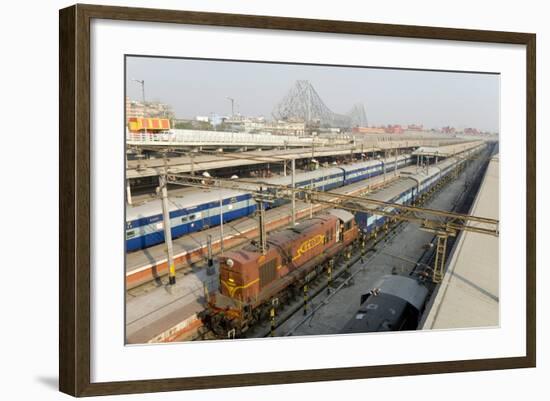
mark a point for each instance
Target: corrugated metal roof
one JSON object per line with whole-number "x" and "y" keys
{"x": 200, "y": 196}
{"x": 343, "y": 215}
{"x": 192, "y": 199}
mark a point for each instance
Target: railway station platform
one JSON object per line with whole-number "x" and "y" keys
{"x": 159, "y": 313}
{"x": 164, "y": 313}
{"x": 469, "y": 293}
{"x": 200, "y": 162}
{"x": 446, "y": 150}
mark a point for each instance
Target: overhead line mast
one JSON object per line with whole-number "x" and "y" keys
{"x": 455, "y": 222}
{"x": 442, "y": 223}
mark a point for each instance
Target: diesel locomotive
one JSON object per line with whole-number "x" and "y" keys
{"x": 250, "y": 280}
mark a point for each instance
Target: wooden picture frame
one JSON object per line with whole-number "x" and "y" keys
{"x": 74, "y": 203}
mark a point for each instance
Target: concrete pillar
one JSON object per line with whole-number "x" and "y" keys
{"x": 167, "y": 229}
{"x": 128, "y": 192}
{"x": 293, "y": 194}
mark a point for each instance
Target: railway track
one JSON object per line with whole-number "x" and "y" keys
{"x": 343, "y": 275}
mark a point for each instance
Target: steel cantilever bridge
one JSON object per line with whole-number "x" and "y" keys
{"x": 302, "y": 102}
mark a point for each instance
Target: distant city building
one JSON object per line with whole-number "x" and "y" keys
{"x": 415, "y": 127}
{"x": 448, "y": 130}
{"x": 296, "y": 128}
{"x": 330, "y": 130}
{"x": 138, "y": 109}
{"x": 368, "y": 130}
{"x": 388, "y": 129}
{"x": 472, "y": 131}
{"x": 259, "y": 124}
{"x": 394, "y": 129}
{"x": 216, "y": 119}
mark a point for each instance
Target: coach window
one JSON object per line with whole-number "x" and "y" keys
{"x": 130, "y": 234}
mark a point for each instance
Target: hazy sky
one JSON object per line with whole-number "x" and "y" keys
{"x": 435, "y": 99}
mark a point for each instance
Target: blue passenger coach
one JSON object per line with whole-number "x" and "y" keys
{"x": 200, "y": 209}
{"x": 193, "y": 212}
{"x": 362, "y": 171}
{"x": 404, "y": 193}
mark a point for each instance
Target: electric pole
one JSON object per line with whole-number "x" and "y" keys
{"x": 142, "y": 83}
{"x": 232, "y": 106}
{"x": 293, "y": 193}
{"x": 167, "y": 228}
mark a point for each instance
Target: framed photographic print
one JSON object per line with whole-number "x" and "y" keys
{"x": 250, "y": 200}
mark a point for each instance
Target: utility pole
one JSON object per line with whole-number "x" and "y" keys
{"x": 128, "y": 192}
{"x": 142, "y": 83}
{"x": 221, "y": 218}
{"x": 210, "y": 259}
{"x": 128, "y": 189}
{"x": 293, "y": 193}
{"x": 232, "y": 106}
{"x": 167, "y": 228}
{"x": 395, "y": 167}
{"x": 261, "y": 221}
{"x": 310, "y": 200}
{"x": 427, "y": 164}
{"x": 385, "y": 160}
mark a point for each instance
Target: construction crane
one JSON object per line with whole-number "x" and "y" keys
{"x": 442, "y": 223}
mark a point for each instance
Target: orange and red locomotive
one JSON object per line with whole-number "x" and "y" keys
{"x": 250, "y": 279}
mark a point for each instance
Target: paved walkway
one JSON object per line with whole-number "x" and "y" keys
{"x": 469, "y": 293}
